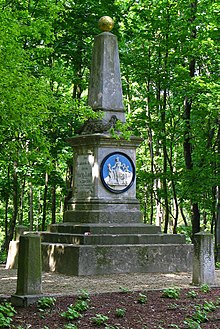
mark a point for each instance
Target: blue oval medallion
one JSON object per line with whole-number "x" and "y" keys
{"x": 117, "y": 172}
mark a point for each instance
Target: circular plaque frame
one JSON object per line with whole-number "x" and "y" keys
{"x": 117, "y": 172}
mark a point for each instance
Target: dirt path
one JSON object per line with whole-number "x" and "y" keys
{"x": 53, "y": 283}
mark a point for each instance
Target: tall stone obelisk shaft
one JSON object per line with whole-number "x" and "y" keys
{"x": 105, "y": 88}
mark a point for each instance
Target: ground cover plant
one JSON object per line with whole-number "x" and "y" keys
{"x": 157, "y": 309}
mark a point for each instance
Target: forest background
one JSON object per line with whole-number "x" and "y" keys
{"x": 169, "y": 54}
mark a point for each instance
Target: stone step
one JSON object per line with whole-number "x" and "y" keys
{"x": 115, "y": 239}
{"x": 100, "y": 228}
{"x": 97, "y": 260}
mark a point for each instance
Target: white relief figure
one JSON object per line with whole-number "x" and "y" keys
{"x": 118, "y": 172}
{"x": 110, "y": 173}
{"x": 127, "y": 174}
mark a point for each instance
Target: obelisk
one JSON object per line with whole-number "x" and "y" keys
{"x": 105, "y": 88}
{"x": 104, "y": 188}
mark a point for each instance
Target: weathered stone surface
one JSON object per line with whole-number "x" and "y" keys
{"x": 203, "y": 260}
{"x": 105, "y": 89}
{"x": 112, "y": 239}
{"x": 124, "y": 228}
{"x": 29, "y": 265}
{"x": 94, "y": 260}
{"x": 24, "y": 301}
{"x": 91, "y": 201}
{"x": 12, "y": 259}
{"x": 91, "y": 249}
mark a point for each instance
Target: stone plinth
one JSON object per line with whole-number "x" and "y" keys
{"x": 29, "y": 265}
{"x": 92, "y": 202}
{"x": 203, "y": 260}
{"x": 29, "y": 271}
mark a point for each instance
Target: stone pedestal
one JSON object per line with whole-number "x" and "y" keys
{"x": 29, "y": 270}
{"x": 92, "y": 202}
{"x": 203, "y": 260}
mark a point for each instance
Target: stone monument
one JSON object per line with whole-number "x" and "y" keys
{"x": 104, "y": 168}
{"x": 29, "y": 281}
{"x": 203, "y": 260}
{"x": 102, "y": 231}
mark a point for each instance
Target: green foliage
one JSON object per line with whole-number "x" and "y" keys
{"x": 200, "y": 315}
{"x": 209, "y": 307}
{"x": 142, "y": 298}
{"x": 205, "y": 288}
{"x": 71, "y": 313}
{"x": 74, "y": 311}
{"x": 192, "y": 294}
{"x": 171, "y": 293}
{"x": 187, "y": 231}
{"x": 3, "y": 256}
{"x": 124, "y": 290}
{"x": 70, "y": 326}
{"x": 81, "y": 305}
{"x": 7, "y": 312}
{"x": 192, "y": 324}
{"x": 45, "y": 303}
{"x": 217, "y": 265}
{"x": 99, "y": 319}
{"x": 120, "y": 312}
{"x": 84, "y": 295}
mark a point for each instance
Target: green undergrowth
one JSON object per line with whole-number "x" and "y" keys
{"x": 74, "y": 313}
{"x": 7, "y": 312}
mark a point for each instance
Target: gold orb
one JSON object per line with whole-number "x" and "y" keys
{"x": 106, "y": 24}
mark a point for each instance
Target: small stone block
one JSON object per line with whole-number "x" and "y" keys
{"x": 29, "y": 265}
{"x": 24, "y": 301}
{"x": 203, "y": 260}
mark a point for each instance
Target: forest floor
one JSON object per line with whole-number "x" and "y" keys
{"x": 108, "y": 293}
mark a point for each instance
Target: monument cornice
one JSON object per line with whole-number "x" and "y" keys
{"x": 104, "y": 140}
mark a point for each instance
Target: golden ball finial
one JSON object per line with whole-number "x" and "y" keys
{"x": 106, "y": 24}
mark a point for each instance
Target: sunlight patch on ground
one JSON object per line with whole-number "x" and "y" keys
{"x": 9, "y": 278}
{"x": 170, "y": 275}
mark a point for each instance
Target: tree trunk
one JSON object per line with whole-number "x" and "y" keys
{"x": 31, "y": 219}
{"x": 69, "y": 186}
{"x": 217, "y": 222}
{"x": 217, "y": 233}
{"x": 188, "y": 159}
{"x": 15, "y": 205}
{"x": 187, "y": 134}
{"x": 165, "y": 162}
{"x": 53, "y": 204}
{"x": 151, "y": 148}
{"x": 20, "y": 214}
{"x": 45, "y": 202}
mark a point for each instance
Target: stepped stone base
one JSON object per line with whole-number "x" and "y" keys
{"x": 95, "y": 249}
{"x": 96, "y": 260}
